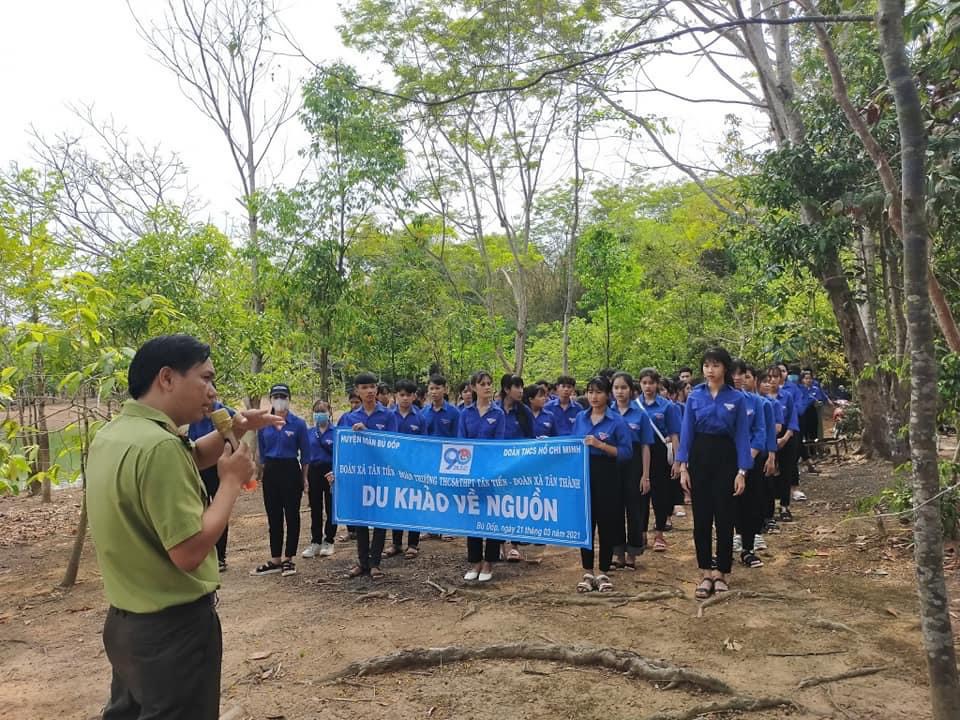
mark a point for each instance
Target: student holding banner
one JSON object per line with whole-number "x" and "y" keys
{"x": 610, "y": 443}
{"x": 371, "y": 415}
{"x": 634, "y": 475}
{"x": 409, "y": 422}
{"x": 482, "y": 420}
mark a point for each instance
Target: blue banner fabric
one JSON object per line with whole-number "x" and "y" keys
{"x": 522, "y": 490}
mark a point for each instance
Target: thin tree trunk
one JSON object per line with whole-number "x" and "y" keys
{"x": 572, "y": 242}
{"x": 73, "y": 564}
{"x": 928, "y": 538}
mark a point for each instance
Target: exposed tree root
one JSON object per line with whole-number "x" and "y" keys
{"x": 830, "y": 625}
{"x": 734, "y": 704}
{"x": 623, "y": 661}
{"x": 592, "y": 599}
{"x": 718, "y": 598}
{"x": 846, "y": 675}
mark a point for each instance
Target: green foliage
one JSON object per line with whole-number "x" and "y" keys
{"x": 898, "y": 498}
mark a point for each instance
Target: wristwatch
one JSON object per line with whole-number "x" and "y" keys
{"x": 742, "y": 472}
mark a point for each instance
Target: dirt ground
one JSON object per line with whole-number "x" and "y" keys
{"x": 282, "y": 636}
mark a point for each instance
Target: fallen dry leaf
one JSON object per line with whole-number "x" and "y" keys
{"x": 261, "y": 655}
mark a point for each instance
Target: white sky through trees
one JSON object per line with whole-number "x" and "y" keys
{"x": 60, "y": 52}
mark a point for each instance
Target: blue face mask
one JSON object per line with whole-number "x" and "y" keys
{"x": 793, "y": 378}
{"x": 321, "y": 418}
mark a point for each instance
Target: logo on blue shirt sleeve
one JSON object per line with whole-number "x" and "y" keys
{"x": 456, "y": 459}
{"x": 730, "y": 406}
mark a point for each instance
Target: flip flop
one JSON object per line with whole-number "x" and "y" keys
{"x": 377, "y": 574}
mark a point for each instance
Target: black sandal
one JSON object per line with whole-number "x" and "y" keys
{"x": 748, "y": 558}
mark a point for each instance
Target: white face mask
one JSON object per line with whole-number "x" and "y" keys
{"x": 280, "y": 404}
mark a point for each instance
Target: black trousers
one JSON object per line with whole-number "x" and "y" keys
{"x": 320, "y": 495}
{"x": 749, "y": 507}
{"x": 606, "y": 510}
{"x": 809, "y": 429}
{"x": 413, "y": 538}
{"x": 663, "y": 489}
{"x": 788, "y": 461}
{"x": 636, "y": 505}
{"x": 282, "y": 492}
{"x": 166, "y": 665}
{"x": 483, "y": 550}
{"x": 713, "y": 467}
{"x": 211, "y": 481}
{"x": 369, "y": 553}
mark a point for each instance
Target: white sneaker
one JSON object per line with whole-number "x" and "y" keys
{"x": 759, "y": 543}
{"x": 471, "y": 575}
{"x": 680, "y": 513}
{"x": 799, "y": 496}
{"x": 737, "y": 543}
{"x": 310, "y": 550}
{"x": 326, "y": 550}
{"x": 485, "y": 577}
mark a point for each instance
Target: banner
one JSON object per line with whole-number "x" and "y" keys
{"x": 534, "y": 491}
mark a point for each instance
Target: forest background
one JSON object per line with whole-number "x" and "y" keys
{"x": 480, "y": 196}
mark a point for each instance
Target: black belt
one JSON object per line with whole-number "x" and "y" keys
{"x": 210, "y": 600}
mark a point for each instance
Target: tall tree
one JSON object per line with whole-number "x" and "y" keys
{"x": 934, "y": 604}
{"x": 219, "y": 51}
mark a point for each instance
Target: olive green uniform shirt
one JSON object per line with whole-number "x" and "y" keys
{"x": 144, "y": 496}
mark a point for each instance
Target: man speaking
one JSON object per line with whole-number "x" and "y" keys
{"x": 155, "y": 533}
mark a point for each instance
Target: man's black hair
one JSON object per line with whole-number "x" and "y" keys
{"x": 407, "y": 386}
{"x": 683, "y": 370}
{"x": 365, "y": 378}
{"x": 178, "y": 352}
{"x": 438, "y": 380}
{"x": 566, "y": 380}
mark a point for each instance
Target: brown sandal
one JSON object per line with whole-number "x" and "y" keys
{"x": 377, "y": 574}
{"x": 356, "y": 571}
{"x": 391, "y": 551}
{"x": 704, "y": 589}
{"x": 411, "y": 554}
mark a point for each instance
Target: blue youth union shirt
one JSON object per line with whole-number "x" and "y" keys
{"x": 489, "y": 426}
{"x": 544, "y": 425}
{"x": 787, "y": 402}
{"x": 663, "y": 413}
{"x": 769, "y": 422}
{"x": 410, "y": 424}
{"x": 442, "y": 422}
{"x": 321, "y": 445}
{"x": 513, "y": 429}
{"x": 641, "y": 431}
{"x": 564, "y": 417}
{"x": 725, "y": 414}
{"x": 381, "y": 419}
{"x": 758, "y": 428}
{"x": 287, "y": 443}
{"x": 611, "y": 429}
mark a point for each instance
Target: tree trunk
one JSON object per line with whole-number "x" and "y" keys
{"x": 256, "y": 300}
{"x": 928, "y": 538}
{"x": 73, "y": 565}
{"x": 572, "y": 243}
{"x": 325, "y": 373}
{"x": 876, "y": 431}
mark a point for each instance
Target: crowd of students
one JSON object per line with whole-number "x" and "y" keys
{"x": 728, "y": 445}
